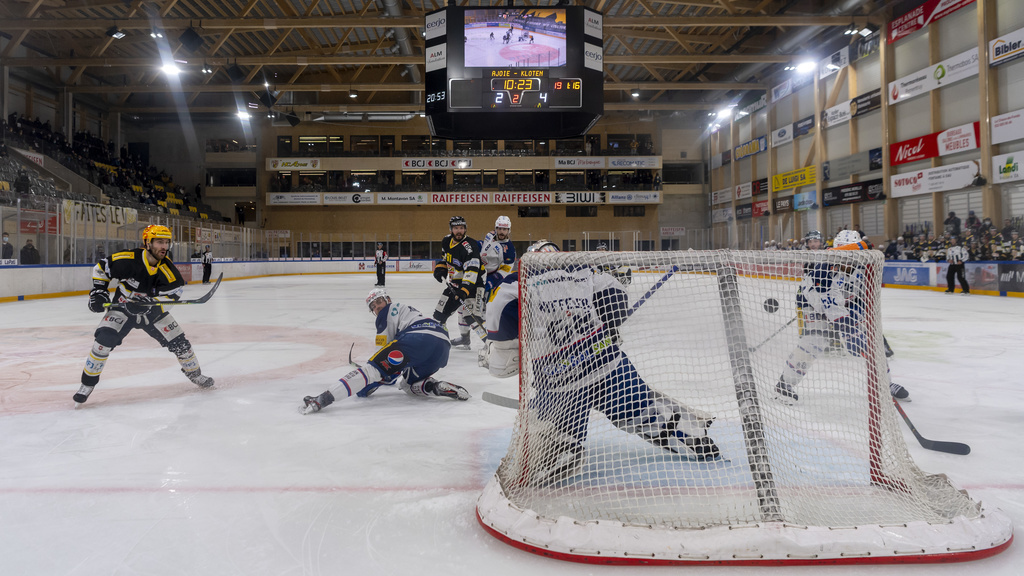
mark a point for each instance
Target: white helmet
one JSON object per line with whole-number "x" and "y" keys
{"x": 543, "y": 246}
{"x": 374, "y": 295}
{"x": 503, "y": 222}
{"x": 845, "y": 237}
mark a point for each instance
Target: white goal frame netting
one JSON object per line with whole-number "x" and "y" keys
{"x": 826, "y": 478}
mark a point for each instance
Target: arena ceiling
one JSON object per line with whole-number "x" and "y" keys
{"x": 681, "y": 55}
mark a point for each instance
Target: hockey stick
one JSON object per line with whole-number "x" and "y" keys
{"x": 774, "y": 334}
{"x": 201, "y": 300}
{"x": 502, "y": 401}
{"x": 936, "y": 445}
{"x": 356, "y": 364}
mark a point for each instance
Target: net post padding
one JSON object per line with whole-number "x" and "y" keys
{"x": 826, "y": 481}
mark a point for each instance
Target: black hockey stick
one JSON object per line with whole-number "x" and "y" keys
{"x": 936, "y": 445}
{"x": 356, "y": 364}
{"x": 774, "y": 334}
{"x": 201, "y": 300}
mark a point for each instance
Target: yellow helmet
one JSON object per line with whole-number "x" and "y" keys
{"x": 154, "y": 231}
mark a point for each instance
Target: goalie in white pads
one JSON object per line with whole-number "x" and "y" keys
{"x": 578, "y": 366}
{"x": 413, "y": 349}
{"x": 830, "y": 305}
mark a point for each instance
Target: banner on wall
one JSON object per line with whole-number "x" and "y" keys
{"x": 437, "y": 163}
{"x": 460, "y": 198}
{"x": 1008, "y": 127}
{"x": 278, "y": 164}
{"x": 853, "y": 193}
{"x": 839, "y": 169}
{"x": 758, "y": 187}
{"x": 579, "y": 197}
{"x": 719, "y": 196}
{"x": 294, "y": 199}
{"x": 805, "y": 200}
{"x": 590, "y": 162}
{"x": 632, "y": 162}
{"x": 865, "y": 103}
{"x": 752, "y": 104}
{"x": 755, "y": 146}
{"x": 787, "y": 133}
{"x": 403, "y": 198}
{"x": 634, "y": 197}
{"x": 923, "y": 15}
{"x": 744, "y": 211}
{"x": 84, "y": 212}
{"x": 838, "y": 114}
{"x": 721, "y": 215}
{"x": 1006, "y": 168}
{"x": 949, "y": 71}
{"x": 336, "y": 198}
{"x": 760, "y": 208}
{"x": 941, "y": 179}
{"x": 907, "y": 273}
{"x": 951, "y": 141}
{"x": 782, "y": 90}
{"x": 795, "y": 178}
{"x": 1006, "y": 48}
{"x": 521, "y": 197}
{"x": 834, "y": 62}
{"x": 783, "y": 205}
{"x": 672, "y": 231}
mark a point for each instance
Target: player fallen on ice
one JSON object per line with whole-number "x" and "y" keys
{"x": 143, "y": 275}
{"x": 830, "y": 304}
{"x": 413, "y": 349}
{"x": 460, "y": 267}
{"x": 578, "y": 366}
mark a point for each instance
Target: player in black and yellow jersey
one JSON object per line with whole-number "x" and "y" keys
{"x": 143, "y": 275}
{"x": 460, "y": 268}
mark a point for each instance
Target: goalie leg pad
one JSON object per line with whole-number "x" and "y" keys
{"x": 503, "y": 358}
{"x": 552, "y": 454}
{"x": 634, "y": 407}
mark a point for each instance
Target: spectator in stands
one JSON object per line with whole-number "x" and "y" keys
{"x": 972, "y": 223}
{"x": 29, "y": 254}
{"x": 634, "y": 147}
{"x": 952, "y": 224}
{"x": 1007, "y": 228}
{"x": 8, "y": 248}
{"x": 895, "y": 250}
{"x": 23, "y": 183}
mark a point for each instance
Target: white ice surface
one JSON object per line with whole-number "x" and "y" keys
{"x": 154, "y": 476}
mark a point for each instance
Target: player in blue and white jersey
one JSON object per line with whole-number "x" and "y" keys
{"x": 498, "y": 253}
{"x": 577, "y": 366}
{"x": 413, "y": 348}
{"x": 830, "y": 306}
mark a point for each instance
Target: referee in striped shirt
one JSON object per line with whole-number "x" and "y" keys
{"x": 956, "y": 255}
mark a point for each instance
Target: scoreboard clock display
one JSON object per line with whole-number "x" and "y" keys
{"x": 513, "y": 72}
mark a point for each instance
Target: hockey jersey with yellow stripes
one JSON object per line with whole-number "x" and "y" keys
{"x": 136, "y": 277}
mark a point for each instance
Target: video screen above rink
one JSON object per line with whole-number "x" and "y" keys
{"x": 519, "y": 72}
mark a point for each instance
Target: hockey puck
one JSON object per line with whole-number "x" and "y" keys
{"x": 771, "y": 305}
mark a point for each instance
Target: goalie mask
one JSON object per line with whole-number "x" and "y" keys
{"x": 543, "y": 246}
{"x": 377, "y": 299}
{"x": 845, "y": 237}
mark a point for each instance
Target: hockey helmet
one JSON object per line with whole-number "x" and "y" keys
{"x": 602, "y": 247}
{"x": 812, "y": 235}
{"x": 543, "y": 246}
{"x": 845, "y": 237}
{"x": 374, "y": 295}
{"x": 503, "y": 222}
{"x": 456, "y": 221}
{"x": 154, "y": 231}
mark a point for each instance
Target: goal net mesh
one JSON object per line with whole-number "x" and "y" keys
{"x": 649, "y": 395}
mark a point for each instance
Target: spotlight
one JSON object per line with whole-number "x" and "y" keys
{"x": 805, "y": 67}
{"x": 635, "y": 93}
{"x": 353, "y": 93}
{"x": 171, "y": 69}
{"x": 115, "y": 33}
{"x": 154, "y": 33}
{"x": 243, "y": 115}
{"x": 866, "y": 31}
{"x": 851, "y": 30}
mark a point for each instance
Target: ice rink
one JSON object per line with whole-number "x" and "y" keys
{"x": 483, "y": 51}
{"x": 155, "y": 476}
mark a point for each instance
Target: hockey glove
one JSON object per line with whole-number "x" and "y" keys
{"x": 98, "y": 297}
{"x": 440, "y": 272}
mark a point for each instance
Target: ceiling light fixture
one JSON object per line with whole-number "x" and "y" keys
{"x": 635, "y": 93}
{"x": 805, "y": 67}
{"x": 171, "y": 69}
{"x": 115, "y": 33}
{"x": 154, "y": 33}
{"x": 353, "y": 93}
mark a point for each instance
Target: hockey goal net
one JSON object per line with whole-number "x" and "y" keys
{"x": 651, "y": 428}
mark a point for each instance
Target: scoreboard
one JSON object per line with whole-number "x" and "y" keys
{"x": 513, "y": 72}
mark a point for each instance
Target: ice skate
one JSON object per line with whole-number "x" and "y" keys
{"x": 462, "y": 342}
{"x": 317, "y": 403}
{"x": 83, "y": 394}
{"x": 199, "y": 379}
{"x": 785, "y": 394}
{"x": 446, "y": 389}
{"x": 899, "y": 392}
